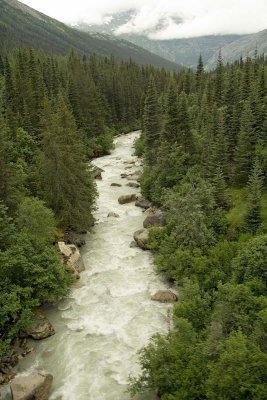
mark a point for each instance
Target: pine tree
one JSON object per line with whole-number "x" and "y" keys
{"x": 68, "y": 184}
{"x": 151, "y": 122}
{"x": 219, "y": 81}
{"x": 200, "y": 77}
{"x": 244, "y": 153}
{"x": 184, "y": 129}
{"x": 253, "y": 217}
{"x": 171, "y": 128}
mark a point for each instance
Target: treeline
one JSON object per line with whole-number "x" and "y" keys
{"x": 204, "y": 144}
{"x": 55, "y": 114}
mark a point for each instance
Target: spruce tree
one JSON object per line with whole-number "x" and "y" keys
{"x": 151, "y": 122}
{"x": 244, "y": 152}
{"x": 68, "y": 184}
{"x": 253, "y": 217}
{"x": 171, "y": 128}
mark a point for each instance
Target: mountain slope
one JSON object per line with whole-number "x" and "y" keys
{"x": 243, "y": 47}
{"x": 21, "y": 25}
{"x": 181, "y": 51}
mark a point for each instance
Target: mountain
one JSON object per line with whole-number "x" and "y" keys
{"x": 21, "y": 25}
{"x": 245, "y": 46}
{"x": 181, "y": 51}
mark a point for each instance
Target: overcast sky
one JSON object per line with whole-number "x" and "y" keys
{"x": 200, "y": 17}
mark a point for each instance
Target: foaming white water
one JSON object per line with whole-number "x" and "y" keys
{"x": 102, "y": 325}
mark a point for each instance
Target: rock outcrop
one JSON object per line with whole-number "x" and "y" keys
{"x": 164, "y": 296}
{"x": 143, "y": 203}
{"x": 127, "y": 198}
{"x": 41, "y": 328}
{"x": 72, "y": 258}
{"x": 32, "y": 387}
{"x": 141, "y": 238}
{"x": 159, "y": 218}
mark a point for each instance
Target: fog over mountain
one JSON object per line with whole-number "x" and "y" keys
{"x": 183, "y": 19}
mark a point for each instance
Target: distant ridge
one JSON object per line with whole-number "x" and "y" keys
{"x": 21, "y": 25}
{"x": 244, "y": 47}
{"x": 182, "y": 51}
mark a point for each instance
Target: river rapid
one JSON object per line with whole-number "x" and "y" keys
{"x": 103, "y": 324}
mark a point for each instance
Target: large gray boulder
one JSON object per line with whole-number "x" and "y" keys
{"x": 72, "y": 258}
{"x": 5, "y": 392}
{"x": 164, "y": 296}
{"x": 159, "y": 218}
{"x": 141, "y": 238}
{"x": 32, "y": 387}
{"x": 143, "y": 203}
{"x": 127, "y": 198}
{"x": 41, "y": 328}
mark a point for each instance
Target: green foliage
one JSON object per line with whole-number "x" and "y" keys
{"x": 139, "y": 146}
{"x": 36, "y": 220}
{"x": 240, "y": 372}
{"x": 68, "y": 185}
{"x": 213, "y": 247}
{"x": 250, "y": 264}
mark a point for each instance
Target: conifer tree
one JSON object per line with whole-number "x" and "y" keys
{"x": 171, "y": 128}
{"x": 151, "y": 122}
{"x": 200, "y": 77}
{"x": 219, "y": 81}
{"x": 244, "y": 152}
{"x": 184, "y": 130}
{"x": 253, "y": 217}
{"x": 68, "y": 183}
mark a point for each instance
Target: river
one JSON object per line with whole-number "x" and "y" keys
{"x": 103, "y": 324}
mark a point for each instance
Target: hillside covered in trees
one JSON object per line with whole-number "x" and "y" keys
{"x": 22, "y": 26}
{"x": 204, "y": 143}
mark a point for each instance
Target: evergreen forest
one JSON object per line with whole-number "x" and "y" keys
{"x": 204, "y": 146}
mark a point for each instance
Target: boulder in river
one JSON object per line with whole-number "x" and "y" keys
{"x": 128, "y": 198}
{"x": 157, "y": 219}
{"x": 133, "y": 185}
{"x": 32, "y": 387}
{"x": 133, "y": 244}
{"x": 97, "y": 172}
{"x": 72, "y": 257}
{"x": 164, "y": 296}
{"x": 141, "y": 238}
{"x": 116, "y": 184}
{"x": 143, "y": 203}
{"x": 113, "y": 214}
{"x": 41, "y": 328}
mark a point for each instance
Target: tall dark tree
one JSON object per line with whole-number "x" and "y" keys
{"x": 151, "y": 122}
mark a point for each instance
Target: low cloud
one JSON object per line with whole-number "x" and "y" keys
{"x": 199, "y": 17}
